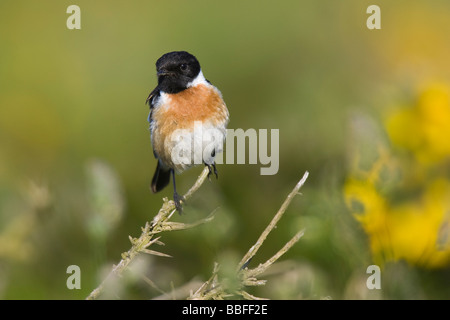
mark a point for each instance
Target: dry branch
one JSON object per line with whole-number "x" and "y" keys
{"x": 214, "y": 288}
{"x": 159, "y": 224}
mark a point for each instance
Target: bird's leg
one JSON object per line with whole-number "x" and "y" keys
{"x": 215, "y": 170}
{"x": 176, "y": 197}
{"x": 211, "y": 170}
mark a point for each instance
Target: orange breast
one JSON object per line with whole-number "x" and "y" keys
{"x": 181, "y": 110}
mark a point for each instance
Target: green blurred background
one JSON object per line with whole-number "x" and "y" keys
{"x": 76, "y": 159}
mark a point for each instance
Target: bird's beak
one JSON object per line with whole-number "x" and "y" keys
{"x": 163, "y": 73}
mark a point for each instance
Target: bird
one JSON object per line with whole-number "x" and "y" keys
{"x": 188, "y": 119}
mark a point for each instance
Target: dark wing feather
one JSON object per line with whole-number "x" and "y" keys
{"x": 151, "y": 96}
{"x": 161, "y": 179}
{"x": 151, "y": 101}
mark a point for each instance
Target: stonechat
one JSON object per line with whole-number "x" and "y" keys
{"x": 188, "y": 119}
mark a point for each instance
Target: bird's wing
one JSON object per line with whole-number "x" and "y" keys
{"x": 151, "y": 101}
{"x": 151, "y": 96}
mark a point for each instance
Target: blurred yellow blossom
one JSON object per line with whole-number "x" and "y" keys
{"x": 424, "y": 128}
{"x": 414, "y": 230}
{"x": 416, "y": 226}
{"x": 370, "y": 209}
{"x": 409, "y": 218}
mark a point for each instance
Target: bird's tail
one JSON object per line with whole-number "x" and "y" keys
{"x": 160, "y": 179}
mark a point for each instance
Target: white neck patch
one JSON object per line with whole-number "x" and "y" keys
{"x": 200, "y": 79}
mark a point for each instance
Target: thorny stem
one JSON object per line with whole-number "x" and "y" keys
{"x": 211, "y": 289}
{"x": 214, "y": 289}
{"x": 159, "y": 223}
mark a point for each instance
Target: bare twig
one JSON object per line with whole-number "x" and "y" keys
{"x": 262, "y": 267}
{"x": 254, "y": 249}
{"x": 171, "y": 226}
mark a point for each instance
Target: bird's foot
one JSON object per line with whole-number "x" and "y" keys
{"x": 178, "y": 199}
{"x": 211, "y": 170}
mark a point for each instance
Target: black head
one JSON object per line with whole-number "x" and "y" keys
{"x": 175, "y": 70}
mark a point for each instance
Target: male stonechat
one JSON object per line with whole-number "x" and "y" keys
{"x": 188, "y": 119}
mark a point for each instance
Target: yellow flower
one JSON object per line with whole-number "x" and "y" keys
{"x": 424, "y": 128}
{"x": 416, "y": 227}
{"x": 370, "y": 209}
{"x": 416, "y": 230}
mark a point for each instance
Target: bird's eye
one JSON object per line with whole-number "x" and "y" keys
{"x": 183, "y": 67}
